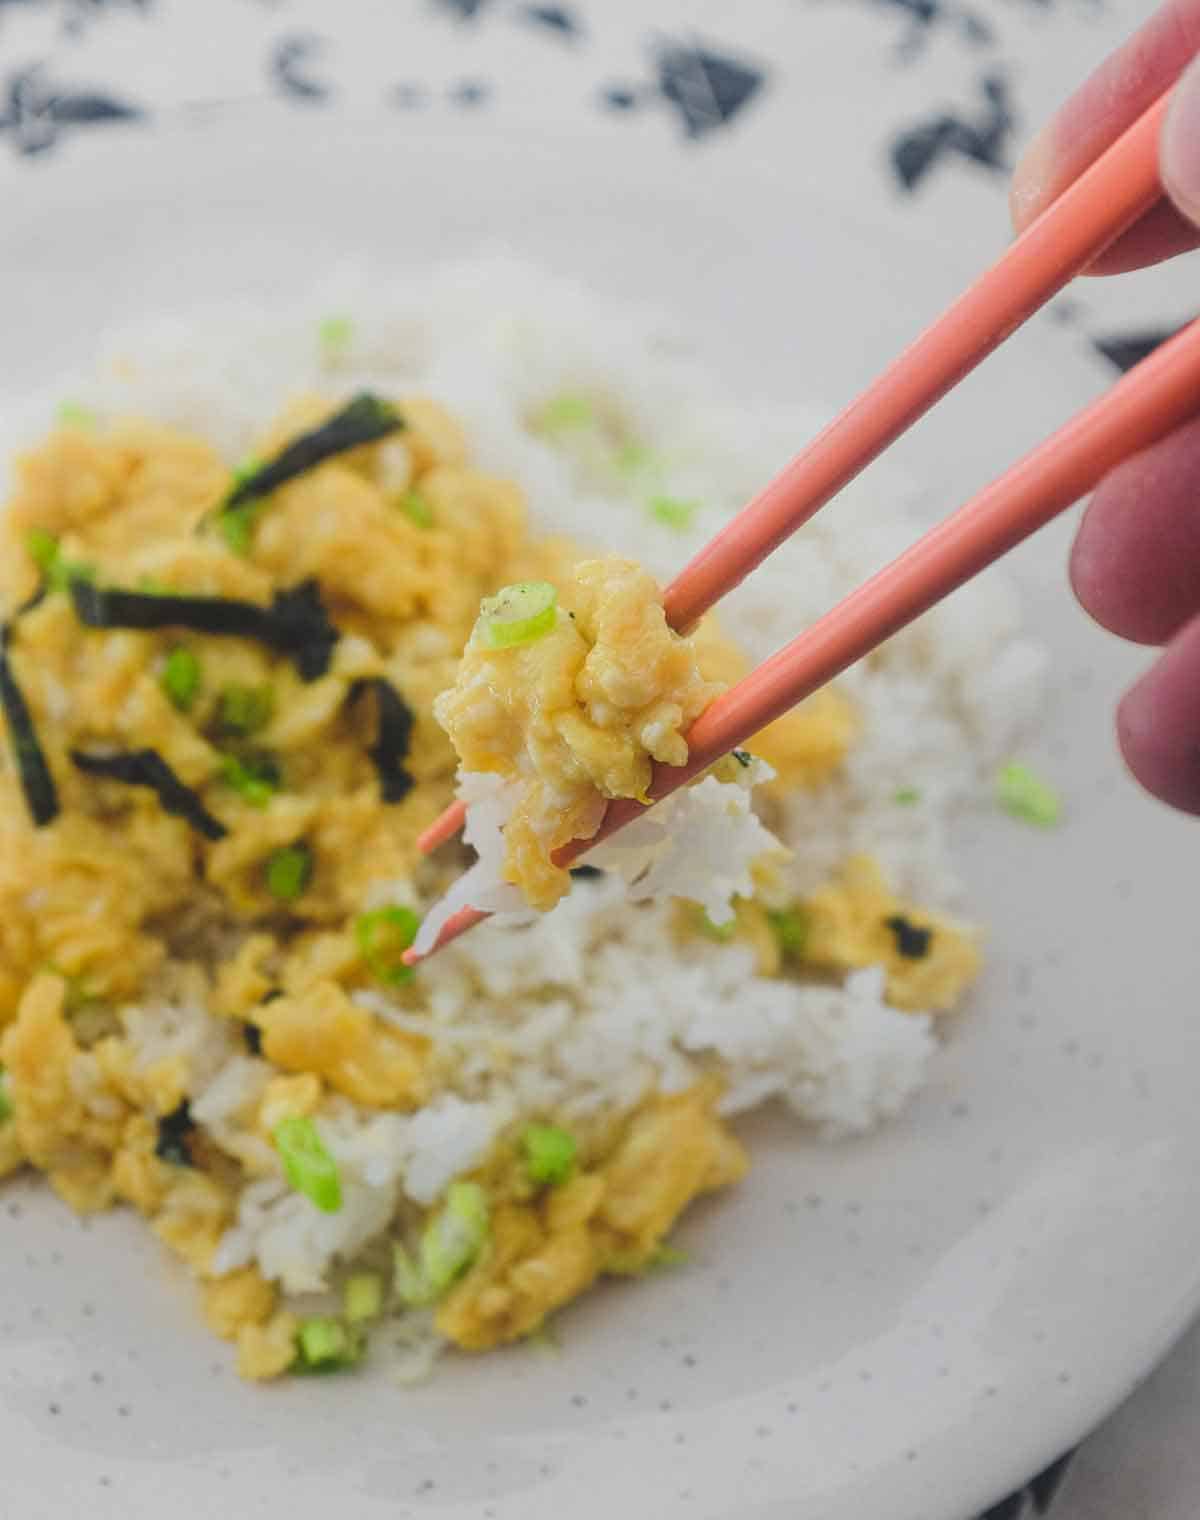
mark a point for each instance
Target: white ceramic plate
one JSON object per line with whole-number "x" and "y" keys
{"x": 898, "y": 1329}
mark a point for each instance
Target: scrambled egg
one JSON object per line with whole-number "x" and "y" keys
{"x": 547, "y": 1251}
{"x": 577, "y": 715}
{"x": 856, "y": 921}
{"x": 242, "y": 891}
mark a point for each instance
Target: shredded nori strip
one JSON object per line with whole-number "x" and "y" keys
{"x": 392, "y": 737}
{"x": 173, "y": 1132}
{"x": 296, "y": 623}
{"x": 145, "y": 767}
{"x": 364, "y": 419}
{"x": 252, "y": 1035}
{"x": 911, "y": 941}
{"x": 34, "y": 599}
{"x": 586, "y": 873}
{"x": 742, "y": 756}
{"x": 41, "y": 795}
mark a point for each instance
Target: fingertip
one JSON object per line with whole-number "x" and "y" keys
{"x": 1158, "y": 725}
{"x": 1179, "y": 154}
{"x": 1099, "y": 572}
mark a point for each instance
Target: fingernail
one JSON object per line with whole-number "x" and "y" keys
{"x": 1180, "y": 148}
{"x": 1031, "y": 179}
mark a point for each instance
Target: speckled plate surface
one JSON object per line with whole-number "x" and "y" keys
{"x": 898, "y": 1329}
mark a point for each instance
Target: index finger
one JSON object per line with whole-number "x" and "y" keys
{"x": 1124, "y": 86}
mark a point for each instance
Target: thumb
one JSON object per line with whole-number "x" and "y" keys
{"x": 1179, "y": 154}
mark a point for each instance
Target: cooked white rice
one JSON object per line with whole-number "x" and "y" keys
{"x": 594, "y": 1005}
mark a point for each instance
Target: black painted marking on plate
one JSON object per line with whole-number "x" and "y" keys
{"x": 707, "y": 89}
{"x": 1124, "y": 350}
{"x": 469, "y": 93}
{"x": 35, "y": 112}
{"x": 984, "y": 140}
{"x": 1011, "y": 1508}
{"x": 289, "y": 67}
{"x": 462, "y": 10}
{"x": 1036, "y": 1498}
{"x": 925, "y": 17}
{"x": 554, "y": 18}
{"x": 408, "y": 95}
{"x": 1046, "y": 1487}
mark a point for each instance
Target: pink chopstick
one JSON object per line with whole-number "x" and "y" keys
{"x": 1162, "y": 391}
{"x": 1106, "y": 200}
{"x": 1144, "y": 406}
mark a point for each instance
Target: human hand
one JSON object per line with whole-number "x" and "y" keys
{"x": 1135, "y": 565}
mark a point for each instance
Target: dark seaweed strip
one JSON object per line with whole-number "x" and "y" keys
{"x": 143, "y": 767}
{"x": 364, "y": 419}
{"x": 296, "y": 623}
{"x": 392, "y": 738}
{"x": 303, "y": 630}
{"x": 174, "y": 1130}
{"x": 586, "y": 873}
{"x": 41, "y": 795}
{"x": 252, "y": 1035}
{"x": 911, "y": 941}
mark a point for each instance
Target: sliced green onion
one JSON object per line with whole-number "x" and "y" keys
{"x": 255, "y": 778}
{"x": 1027, "y": 796}
{"x": 790, "y": 926}
{"x": 237, "y": 525}
{"x": 362, "y": 1297}
{"x": 289, "y": 871}
{"x": 181, "y": 677}
{"x": 241, "y": 473}
{"x": 334, "y": 334}
{"x": 244, "y": 709}
{"x": 307, "y": 1165}
{"x": 449, "y": 1244}
{"x": 637, "y": 459}
{"x": 549, "y": 1153}
{"x": 562, "y": 413}
{"x": 57, "y": 571}
{"x": 6, "y": 1102}
{"x": 672, "y": 512}
{"x": 518, "y": 614}
{"x": 72, "y": 414}
{"x": 383, "y": 935}
{"x": 43, "y": 550}
{"x": 327, "y": 1345}
{"x": 411, "y": 1288}
{"x": 663, "y": 1258}
{"x": 416, "y": 508}
{"x": 710, "y": 930}
{"x": 78, "y": 995}
{"x": 906, "y": 796}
